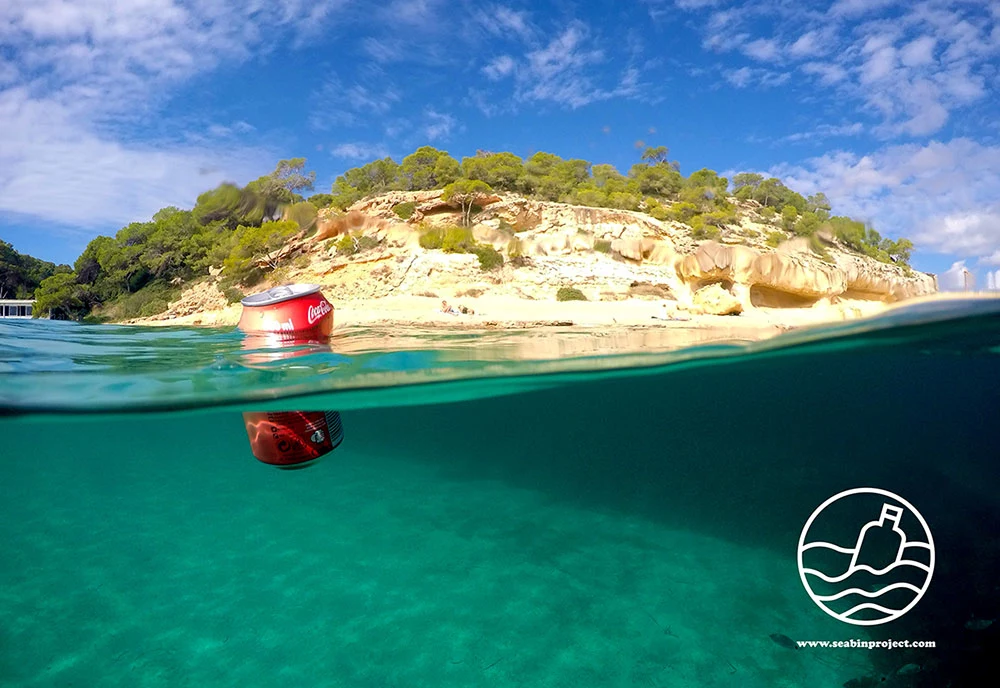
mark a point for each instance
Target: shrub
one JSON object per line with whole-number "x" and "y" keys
{"x": 345, "y": 245}
{"x": 367, "y": 243}
{"x": 404, "y": 210}
{"x": 432, "y": 238}
{"x": 457, "y": 240}
{"x": 232, "y": 294}
{"x": 768, "y": 213}
{"x": 489, "y": 258}
{"x": 602, "y": 245}
{"x": 152, "y": 299}
{"x": 700, "y": 230}
{"x": 660, "y": 213}
{"x": 706, "y": 232}
{"x": 721, "y": 217}
{"x": 623, "y": 200}
{"x": 514, "y": 248}
{"x": 683, "y": 212}
{"x": 570, "y": 294}
{"x": 348, "y": 245}
{"x": 775, "y": 238}
{"x": 819, "y": 249}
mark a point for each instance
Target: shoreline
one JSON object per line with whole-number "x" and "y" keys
{"x": 511, "y": 313}
{"x": 499, "y": 313}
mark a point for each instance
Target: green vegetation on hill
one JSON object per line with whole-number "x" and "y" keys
{"x": 701, "y": 200}
{"x": 21, "y": 274}
{"x": 139, "y": 270}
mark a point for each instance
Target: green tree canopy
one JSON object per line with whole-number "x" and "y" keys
{"x": 467, "y": 193}
{"x": 657, "y": 155}
{"x": 428, "y": 168}
{"x": 61, "y": 298}
{"x": 21, "y": 274}
{"x": 501, "y": 171}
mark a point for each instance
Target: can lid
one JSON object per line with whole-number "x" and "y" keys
{"x": 279, "y": 294}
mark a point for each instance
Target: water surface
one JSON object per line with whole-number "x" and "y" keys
{"x": 623, "y": 515}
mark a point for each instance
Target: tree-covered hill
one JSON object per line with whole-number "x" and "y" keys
{"x": 136, "y": 272}
{"x": 21, "y": 274}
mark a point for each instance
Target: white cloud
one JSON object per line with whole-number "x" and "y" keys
{"x": 437, "y": 125}
{"x": 337, "y": 105}
{"x": 918, "y": 52}
{"x": 828, "y": 73}
{"x": 359, "y": 151}
{"x": 740, "y": 78}
{"x": 910, "y": 66}
{"x": 52, "y": 168}
{"x": 856, "y": 8}
{"x": 957, "y": 278}
{"x": 89, "y": 70}
{"x": 823, "y": 131}
{"x": 499, "y": 67}
{"x": 879, "y": 65}
{"x": 808, "y": 44}
{"x": 383, "y": 50}
{"x": 415, "y": 14}
{"x": 504, "y": 20}
{"x": 763, "y": 78}
{"x": 942, "y": 194}
{"x": 559, "y": 72}
{"x": 992, "y": 280}
{"x": 762, "y": 49}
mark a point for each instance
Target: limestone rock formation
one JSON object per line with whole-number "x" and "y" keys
{"x": 604, "y": 252}
{"x": 714, "y": 300}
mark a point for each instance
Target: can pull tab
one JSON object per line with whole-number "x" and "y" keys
{"x": 279, "y": 292}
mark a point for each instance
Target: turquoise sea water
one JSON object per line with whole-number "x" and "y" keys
{"x": 538, "y": 508}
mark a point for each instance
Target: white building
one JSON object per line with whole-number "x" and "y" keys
{"x": 16, "y": 308}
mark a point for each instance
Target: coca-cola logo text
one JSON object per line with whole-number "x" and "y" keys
{"x": 318, "y": 311}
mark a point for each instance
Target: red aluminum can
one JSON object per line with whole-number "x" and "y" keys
{"x": 293, "y": 439}
{"x": 282, "y": 317}
{"x": 295, "y": 311}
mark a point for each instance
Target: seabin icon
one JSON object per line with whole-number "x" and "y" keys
{"x": 879, "y": 565}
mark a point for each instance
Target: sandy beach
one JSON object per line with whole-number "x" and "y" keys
{"x": 504, "y": 312}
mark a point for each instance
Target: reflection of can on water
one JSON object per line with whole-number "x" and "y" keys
{"x": 293, "y": 439}
{"x": 290, "y": 315}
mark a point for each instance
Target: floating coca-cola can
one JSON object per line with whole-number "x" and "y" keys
{"x": 293, "y": 439}
{"x": 280, "y": 317}
{"x": 295, "y": 311}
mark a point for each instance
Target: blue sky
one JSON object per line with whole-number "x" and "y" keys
{"x": 110, "y": 110}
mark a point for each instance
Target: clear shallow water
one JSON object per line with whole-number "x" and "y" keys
{"x": 491, "y": 518}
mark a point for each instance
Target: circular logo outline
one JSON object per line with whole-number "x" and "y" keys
{"x": 848, "y": 493}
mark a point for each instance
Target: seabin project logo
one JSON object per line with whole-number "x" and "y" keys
{"x": 866, "y": 556}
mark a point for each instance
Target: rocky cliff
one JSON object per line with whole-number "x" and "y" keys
{"x": 607, "y": 254}
{"x": 615, "y": 254}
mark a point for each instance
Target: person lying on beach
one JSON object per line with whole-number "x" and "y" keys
{"x": 451, "y": 310}
{"x": 671, "y": 314}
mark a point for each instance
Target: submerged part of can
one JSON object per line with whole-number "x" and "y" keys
{"x": 292, "y": 311}
{"x": 293, "y": 439}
